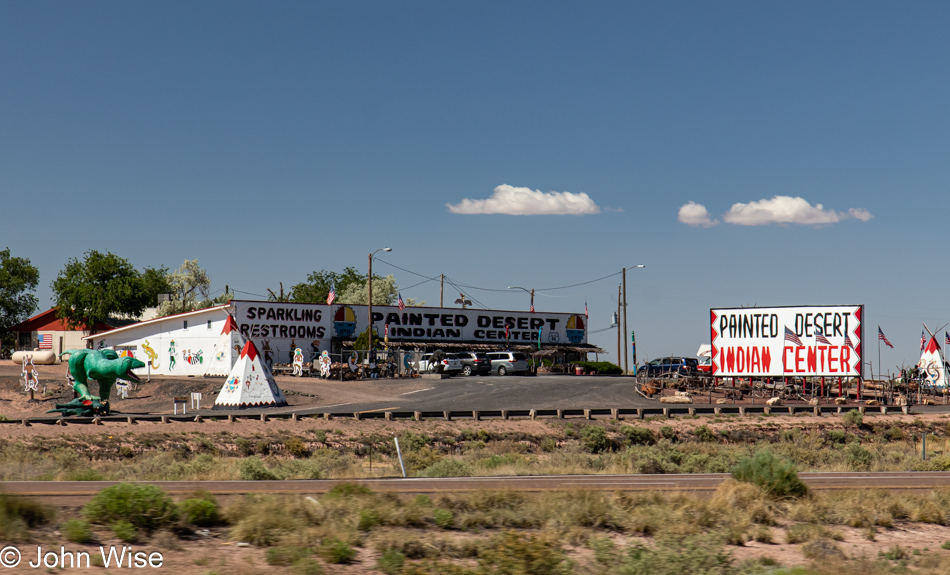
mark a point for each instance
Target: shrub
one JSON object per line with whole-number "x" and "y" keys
{"x": 285, "y": 555}
{"x": 668, "y": 433}
{"x": 894, "y": 434}
{"x": 605, "y": 552}
{"x": 548, "y": 444}
{"x": 295, "y": 447}
{"x": 516, "y": 553}
{"x": 244, "y": 447}
{"x": 448, "y": 468}
{"x": 143, "y": 506}
{"x": 600, "y": 367}
{"x": 595, "y": 439}
{"x": 853, "y": 417}
{"x": 638, "y": 435}
{"x": 444, "y": 518}
{"x": 703, "y": 433}
{"x": 307, "y": 567}
{"x": 391, "y": 562}
{"x": 368, "y": 519}
{"x": 697, "y": 555}
{"x": 776, "y": 477}
{"x": 320, "y": 435}
{"x": 253, "y": 469}
{"x": 200, "y": 512}
{"x": 77, "y": 531}
{"x": 125, "y": 531}
{"x": 336, "y": 552}
{"x": 17, "y": 515}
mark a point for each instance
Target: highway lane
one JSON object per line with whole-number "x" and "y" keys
{"x": 79, "y": 492}
{"x": 510, "y": 392}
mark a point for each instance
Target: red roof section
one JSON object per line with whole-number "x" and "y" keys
{"x": 47, "y": 321}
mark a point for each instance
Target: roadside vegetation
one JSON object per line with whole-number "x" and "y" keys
{"x": 353, "y": 529}
{"x": 443, "y": 449}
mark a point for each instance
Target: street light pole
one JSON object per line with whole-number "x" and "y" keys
{"x": 530, "y": 291}
{"x": 369, "y": 301}
{"x": 626, "y": 369}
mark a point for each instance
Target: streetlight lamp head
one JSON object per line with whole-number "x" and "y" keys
{"x": 641, "y": 266}
{"x": 390, "y": 249}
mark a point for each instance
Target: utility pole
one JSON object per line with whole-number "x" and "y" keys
{"x": 441, "y": 285}
{"x": 619, "y": 328}
{"x": 626, "y": 365}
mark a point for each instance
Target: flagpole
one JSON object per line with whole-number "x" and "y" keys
{"x": 878, "y": 353}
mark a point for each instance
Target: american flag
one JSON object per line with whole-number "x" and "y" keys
{"x": 847, "y": 341}
{"x": 332, "y": 295}
{"x": 946, "y": 338}
{"x": 401, "y": 303}
{"x": 587, "y": 315}
{"x": 790, "y": 336}
{"x": 923, "y": 341}
{"x": 882, "y": 337}
{"x": 532, "y": 308}
{"x": 820, "y": 337}
{"x": 45, "y": 340}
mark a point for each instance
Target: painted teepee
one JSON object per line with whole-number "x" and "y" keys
{"x": 250, "y": 384}
{"x": 230, "y": 343}
{"x": 931, "y": 364}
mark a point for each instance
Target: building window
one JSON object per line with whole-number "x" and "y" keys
{"x": 209, "y": 324}
{"x": 186, "y": 324}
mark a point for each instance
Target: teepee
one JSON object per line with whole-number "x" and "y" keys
{"x": 931, "y": 364}
{"x": 226, "y": 351}
{"x": 250, "y": 384}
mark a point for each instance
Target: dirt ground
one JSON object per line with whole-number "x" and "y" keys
{"x": 156, "y": 396}
{"x": 211, "y": 552}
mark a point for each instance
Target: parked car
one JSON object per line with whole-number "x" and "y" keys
{"x": 450, "y": 364}
{"x": 475, "y": 362}
{"x": 670, "y": 367}
{"x": 505, "y": 362}
{"x": 705, "y": 365}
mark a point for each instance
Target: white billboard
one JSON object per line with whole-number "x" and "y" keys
{"x": 280, "y": 324}
{"x": 797, "y": 341}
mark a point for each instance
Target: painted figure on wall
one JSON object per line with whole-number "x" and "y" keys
{"x": 151, "y": 353}
{"x": 171, "y": 355}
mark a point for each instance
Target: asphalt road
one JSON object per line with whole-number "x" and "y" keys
{"x": 79, "y": 492}
{"x": 507, "y": 392}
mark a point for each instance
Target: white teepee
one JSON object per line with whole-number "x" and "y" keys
{"x": 226, "y": 351}
{"x": 250, "y": 384}
{"x": 931, "y": 364}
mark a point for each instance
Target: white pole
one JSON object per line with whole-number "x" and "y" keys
{"x": 399, "y": 453}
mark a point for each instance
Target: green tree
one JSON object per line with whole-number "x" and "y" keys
{"x": 317, "y": 286}
{"x": 189, "y": 286}
{"x": 98, "y": 287}
{"x": 18, "y": 278}
{"x": 155, "y": 281}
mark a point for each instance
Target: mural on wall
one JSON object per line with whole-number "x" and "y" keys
{"x": 575, "y": 329}
{"x": 171, "y": 355}
{"x": 151, "y": 354}
{"x": 344, "y": 322}
{"x": 192, "y": 358}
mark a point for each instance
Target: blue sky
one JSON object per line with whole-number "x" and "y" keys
{"x": 269, "y": 140}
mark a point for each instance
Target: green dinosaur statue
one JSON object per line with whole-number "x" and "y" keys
{"x": 102, "y": 365}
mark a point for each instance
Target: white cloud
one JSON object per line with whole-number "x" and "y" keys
{"x": 694, "y": 214}
{"x": 788, "y": 210}
{"x": 516, "y": 201}
{"x": 778, "y": 210}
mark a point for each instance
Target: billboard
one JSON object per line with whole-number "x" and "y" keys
{"x": 795, "y": 341}
{"x": 280, "y": 324}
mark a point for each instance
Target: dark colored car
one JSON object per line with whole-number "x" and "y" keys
{"x": 670, "y": 367}
{"x": 475, "y": 362}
